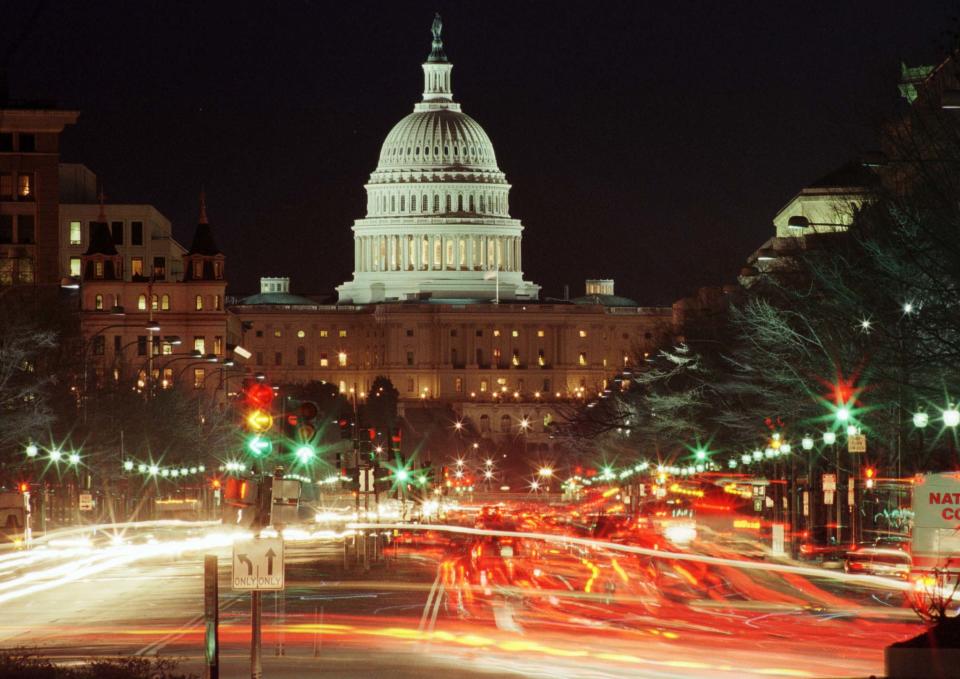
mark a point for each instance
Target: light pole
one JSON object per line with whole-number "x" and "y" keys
{"x": 830, "y": 439}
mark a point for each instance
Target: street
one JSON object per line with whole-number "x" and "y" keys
{"x": 453, "y": 602}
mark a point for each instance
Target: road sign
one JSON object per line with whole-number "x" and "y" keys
{"x": 258, "y": 564}
{"x": 857, "y": 443}
{"x": 829, "y": 482}
{"x": 367, "y": 482}
{"x": 777, "y": 539}
{"x": 86, "y": 502}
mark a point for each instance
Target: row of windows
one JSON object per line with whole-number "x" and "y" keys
{"x": 325, "y": 358}
{"x": 20, "y": 270}
{"x": 19, "y": 186}
{"x": 496, "y": 202}
{"x": 18, "y": 228}
{"x": 414, "y": 151}
{"x": 159, "y": 346}
{"x": 136, "y": 268}
{"x": 116, "y": 231}
{"x": 159, "y": 302}
{"x": 278, "y": 332}
{"x": 24, "y": 142}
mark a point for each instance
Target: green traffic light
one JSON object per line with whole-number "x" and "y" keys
{"x": 402, "y": 475}
{"x": 305, "y": 453}
{"x": 258, "y": 446}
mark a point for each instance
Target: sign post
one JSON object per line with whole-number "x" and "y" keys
{"x": 257, "y": 567}
{"x": 211, "y": 616}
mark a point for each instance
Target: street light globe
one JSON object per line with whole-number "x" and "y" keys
{"x": 142, "y": 468}
{"x": 829, "y": 438}
{"x": 304, "y": 453}
{"x": 852, "y": 430}
{"x": 807, "y": 443}
{"x": 951, "y": 416}
{"x": 488, "y": 474}
{"x": 534, "y": 485}
{"x": 769, "y": 453}
{"x": 56, "y": 455}
{"x": 843, "y": 414}
{"x": 32, "y": 450}
{"x": 746, "y": 458}
{"x": 154, "y": 470}
{"x": 920, "y": 419}
{"x": 546, "y": 471}
{"x": 785, "y": 448}
{"x": 732, "y": 463}
{"x": 758, "y": 455}
{"x": 128, "y": 466}
{"x": 701, "y": 454}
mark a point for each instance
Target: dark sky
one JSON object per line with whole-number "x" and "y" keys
{"x": 647, "y": 142}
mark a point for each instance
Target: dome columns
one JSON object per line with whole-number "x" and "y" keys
{"x": 437, "y": 252}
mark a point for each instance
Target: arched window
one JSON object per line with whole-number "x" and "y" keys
{"x": 98, "y": 302}
{"x": 448, "y": 203}
{"x": 471, "y": 203}
{"x": 393, "y": 204}
{"x": 403, "y": 201}
{"x": 301, "y": 356}
{"x": 198, "y": 302}
{"x": 413, "y": 203}
{"x": 165, "y": 303}
{"x": 483, "y": 204}
{"x": 436, "y": 202}
{"x": 423, "y": 203}
{"x": 154, "y": 303}
{"x": 142, "y": 303}
{"x": 505, "y": 424}
{"x": 484, "y": 423}
{"x": 460, "y": 203}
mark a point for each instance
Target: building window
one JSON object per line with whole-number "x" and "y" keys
{"x": 6, "y": 142}
{"x": 154, "y": 303}
{"x": 515, "y": 333}
{"x": 218, "y": 270}
{"x": 324, "y": 361}
{"x": 453, "y": 332}
{"x": 99, "y": 345}
{"x": 136, "y": 267}
{"x": 458, "y": 385}
{"x": 141, "y": 302}
{"x": 410, "y": 386}
{"x": 142, "y": 345}
{"x": 324, "y": 333}
{"x": 165, "y": 303}
{"x": 197, "y": 269}
{"x": 26, "y": 143}
{"x": 167, "y": 380}
{"x": 479, "y": 333}
{"x": 409, "y": 332}
{"x": 75, "y": 266}
{"x": 409, "y": 358}
{"x": 583, "y": 333}
{"x": 505, "y": 424}
{"x": 160, "y": 268}
{"x": 199, "y": 376}
{"x": 540, "y": 360}
{"x": 582, "y": 359}
{"x": 484, "y": 424}
{"x": 496, "y": 354}
{"x": 25, "y": 228}
{"x": 483, "y": 385}
{"x": 74, "y": 233}
{"x": 116, "y": 230}
{"x": 217, "y": 304}
{"x": 166, "y": 349}
{"x": 496, "y": 333}
{"x": 278, "y": 358}
{"x": 546, "y": 386}
{"x": 25, "y": 187}
{"x": 301, "y": 356}
{"x": 136, "y": 233}
{"x": 199, "y": 344}
{"x": 98, "y": 302}
{"x": 155, "y": 346}
{"x": 342, "y": 359}
{"x": 343, "y": 333}
{"x": 198, "y": 302}
{"x": 217, "y": 344}
{"x": 301, "y": 334}
{"x": 6, "y": 228}
{"x": 539, "y": 333}
{"x": 516, "y": 358}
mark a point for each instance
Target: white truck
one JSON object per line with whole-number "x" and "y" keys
{"x": 935, "y": 545}
{"x": 15, "y": 517}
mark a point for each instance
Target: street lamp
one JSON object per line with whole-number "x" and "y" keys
{"x": 951, "y": 416}
{"x": 74, "y": 458}
{"x": 920, "y": 419}
{"x": 545, "y": 472}
{"x": 55, "y": 455}
{"x": 32, "y": 450}
{"x": 829, "y": 438}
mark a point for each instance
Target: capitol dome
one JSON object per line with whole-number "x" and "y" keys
{"x": 438, "y": 225}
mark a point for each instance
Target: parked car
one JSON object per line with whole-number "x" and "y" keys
{"x": 884, "y": 561}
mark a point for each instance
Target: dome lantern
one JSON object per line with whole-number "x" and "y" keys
{"x": 436, "y": 70}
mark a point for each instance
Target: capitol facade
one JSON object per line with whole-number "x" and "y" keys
{"x": 438, "y": 223}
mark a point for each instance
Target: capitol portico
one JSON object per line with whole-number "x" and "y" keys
{"x": 438, "y": 225}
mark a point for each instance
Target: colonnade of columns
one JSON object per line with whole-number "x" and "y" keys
{"x": 437, "y": 253}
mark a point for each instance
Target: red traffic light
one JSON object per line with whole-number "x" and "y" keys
{"x": 258, "y": 395}
{"x": 292, "y": 420}
{"x": 869, "y": 472}
{"x": 309, "y": 410}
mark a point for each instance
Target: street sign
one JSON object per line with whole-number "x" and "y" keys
{"x": 777, "y": 539}
{"x": 851, "y": 494}
{"x": 857, "y": 443}
{"x": 829, "y": 482}
{"x": 258, "y": 564}
{"x": 86, "y": 502}
{"x": 806, "y": 503}
{"x": 367, "y": 482}
{"x": 828, "y": 497}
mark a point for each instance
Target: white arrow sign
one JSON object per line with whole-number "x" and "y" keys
{"x": 258, "y": 564}
{"x": 367, "y": 483}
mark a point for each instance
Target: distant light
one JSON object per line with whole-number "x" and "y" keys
{"x": 842, "y": 414}
{"x": 865, "y": 325}
{"x": 141, "y": 468}
{"x": 402, "y": 475}
{"x": 785, "y": 448}
{"x": 951, "y": 416}
{"x": 732, "y": 463}
{"x": 546, "y": 471}
{"x": 908, "y": 308}
{"x": 758, "y": 455}
{"x": 701, "y": 454}
{"x": 852, "y": 430}
{"x": 154, "y": 469}
{"x": 74, "y": 458}
{"x": 807, "y": 443}
{"x": 746, "y": 458}
{"x": 534, "y": 485}
{"x": 55, "y": 455}
{"x": 920, "y": 420}
{"x": 128, "y": 466}
{"x": 32, "y": 450}
{"x": 829, "y": 438}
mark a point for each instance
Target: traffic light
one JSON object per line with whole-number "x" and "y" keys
{"x": 870, "y": 474}
{"x": 24, "y": 487}
{"x": 346, "y": 428}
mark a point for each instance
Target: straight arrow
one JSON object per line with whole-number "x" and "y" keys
{"x": 270, "y": 555}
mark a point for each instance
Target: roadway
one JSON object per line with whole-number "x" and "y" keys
{"x": 456, "y": 603}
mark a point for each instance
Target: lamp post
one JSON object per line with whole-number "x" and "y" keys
{"x": 830, "y": 439}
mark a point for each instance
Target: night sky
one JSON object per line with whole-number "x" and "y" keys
{"x": 647, "y": 142}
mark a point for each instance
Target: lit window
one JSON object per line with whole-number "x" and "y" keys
{"x": 98, "y": 269}
{"x": 136, "y": 266}
{"x": 496, "y": 354}
{"x": 198, "y": 302}
{"x": 516, "y": 357}
{"x": 540, "y": 360}
{"x": 199, "y": 345}
{"x": 25, "y": 187}
{"x": 142, "y": 302}
{"x": 539, "y": 333}
{"x": 277, "y": 332}
{"x": 218, "y": 270}
{"x": 74, "y": 233}
{"x": 166, "y": 349}
{"x": 216, "y": 303}
{"x": 626, "y": 360}
{"x": 458, "y": 385}
{"x": 199, "y": 375}
{"x": 98, "y": 302}
{"x": 342, "y": 359}
{"x": 343, "y": 333}
{"x": 167, "y": 378}
{"x": 301, "y": 334}
{"x": 74, "y": 266}
{"x": 324, "y": 333}
{"x": 496, "y": 333}
{"x": 582, "y": 360}
{"x": 218, "y": 345}
{"x": 165, "y": 303}
{"x": 324, "y": 361}
{"x": 583, "y": 333}
{"x": 483, "y": 385}
{"x": 154, "y": 302}
{"x": 515, "y": 333}
{"x": 604, "y": 361}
